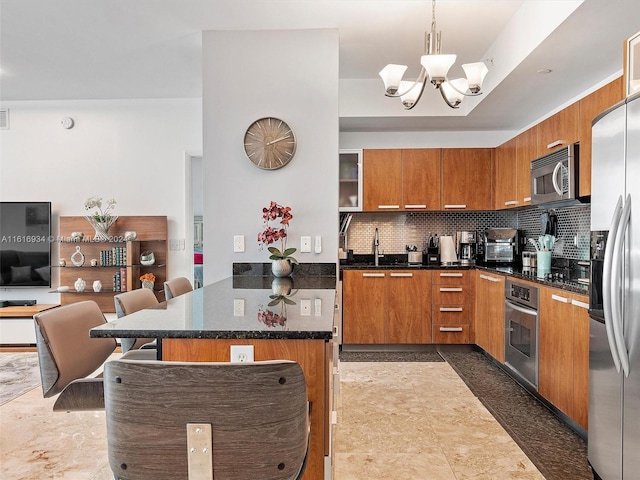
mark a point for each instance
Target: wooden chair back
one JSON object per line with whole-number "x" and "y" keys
{"x": 227, "y": 421}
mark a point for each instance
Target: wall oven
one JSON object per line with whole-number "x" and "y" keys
{"x": 521, "y": 331}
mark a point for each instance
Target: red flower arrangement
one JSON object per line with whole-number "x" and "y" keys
{"x": 270, "y": 234}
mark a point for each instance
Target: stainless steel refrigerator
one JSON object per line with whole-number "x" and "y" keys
{"x": 614, "y": 303}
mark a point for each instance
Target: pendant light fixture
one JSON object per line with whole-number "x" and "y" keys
{"x": 435, "y": 67}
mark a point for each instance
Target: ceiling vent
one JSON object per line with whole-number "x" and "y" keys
{"x": 4, "y": 119}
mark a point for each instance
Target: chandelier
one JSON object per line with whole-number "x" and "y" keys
{"x": 434, "y": 69}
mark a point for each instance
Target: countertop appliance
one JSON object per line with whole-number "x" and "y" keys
{"x": 466, "y": 247}
{"x": 502, "y": 245}
{"x": 521, "y": 330}
{"x": 554, "y": 177}
{"x": 414, "y": 257}
{"x": 614, "y": 297}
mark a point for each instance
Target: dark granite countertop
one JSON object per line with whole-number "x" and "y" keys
{"x": 242, "y": 307}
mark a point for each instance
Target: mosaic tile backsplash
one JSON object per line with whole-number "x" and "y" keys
{"x": 396, "y": 230}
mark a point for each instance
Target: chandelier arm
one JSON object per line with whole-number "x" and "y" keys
{"x": 421, "y": 78}
{"x": 444, "y": 97}
{"x": 471, "y": 94}
{"x": 424, "y": 84}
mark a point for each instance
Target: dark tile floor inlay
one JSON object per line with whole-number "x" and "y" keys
{"x": 556, "y": 450}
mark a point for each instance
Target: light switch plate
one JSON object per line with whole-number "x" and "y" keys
{"x": 318, "y": 244}
{"x": 305, "y": 244}
{"x": 238, "y": 243}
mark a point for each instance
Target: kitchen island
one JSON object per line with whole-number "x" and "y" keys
{"x": 289, "y": 318}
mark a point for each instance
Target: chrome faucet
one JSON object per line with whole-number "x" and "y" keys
{"x": 376, "y": 248}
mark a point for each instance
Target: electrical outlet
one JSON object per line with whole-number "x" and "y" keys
{"x": 305, "y": 244}
{"x": 238, "y": 307}
{"x": 238, "y": 243}
{"x": 305, "y": 307}
{"x": 174, "y": 244}
{"x": 318, "y": 244}
{"x": 241, "y": 353}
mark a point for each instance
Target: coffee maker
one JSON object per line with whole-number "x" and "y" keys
{"x": 466, "y": 247}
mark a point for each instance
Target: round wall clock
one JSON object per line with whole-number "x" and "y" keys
{"x": 269, "y": 143}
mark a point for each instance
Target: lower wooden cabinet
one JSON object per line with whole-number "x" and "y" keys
{"x": 452, "y": 296}
{"x": 386, "y": 307}
{"x": 490, "y": 313}
{"x": 564, "y": 352}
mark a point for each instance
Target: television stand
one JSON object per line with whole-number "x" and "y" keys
{"x": 18, "y": 303}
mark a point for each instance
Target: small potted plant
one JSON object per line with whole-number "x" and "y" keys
{"x": 148, "y": 280}
{"x": 281, "y": 259}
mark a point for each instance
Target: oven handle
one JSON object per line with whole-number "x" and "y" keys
{"x": 520, "y": 309}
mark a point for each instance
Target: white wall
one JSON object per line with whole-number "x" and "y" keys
{"x": 247, "y": 75}
{"x": 130, "y": 150}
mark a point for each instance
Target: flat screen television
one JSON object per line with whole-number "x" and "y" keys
{"x": 25, "y": 244}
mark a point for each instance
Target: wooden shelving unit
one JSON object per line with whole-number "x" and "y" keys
{"x": 151, "y": 236}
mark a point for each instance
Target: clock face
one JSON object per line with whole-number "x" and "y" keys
{"x": 269, "y": 143}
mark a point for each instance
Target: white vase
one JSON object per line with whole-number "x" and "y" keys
{"x": 97, "y": 285}
{"x": 80, "y": 285}
{"x": 281, "y": 268}
{"x": 282, "y": 286}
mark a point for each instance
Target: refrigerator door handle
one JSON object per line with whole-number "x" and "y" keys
{"x": 606, "y": 283}
{"x": 617, "y": 286}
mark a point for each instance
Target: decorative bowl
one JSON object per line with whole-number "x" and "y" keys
{"x": 147, "y": 258}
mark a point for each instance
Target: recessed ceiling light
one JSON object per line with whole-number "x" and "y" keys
{"x": 544, "y": 71}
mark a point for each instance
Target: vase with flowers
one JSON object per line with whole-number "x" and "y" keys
{"x": 101, "y": 220}
{"x": 281, "y": 259}
{"x": 148, "y": 280}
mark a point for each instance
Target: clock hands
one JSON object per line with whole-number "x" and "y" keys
{"x": 277, "y": 140}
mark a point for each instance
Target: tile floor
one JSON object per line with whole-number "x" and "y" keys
{"x": 419, "y": 421}
{"x": 396, "y": 420}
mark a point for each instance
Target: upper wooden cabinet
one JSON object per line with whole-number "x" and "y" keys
{"x": 590, "y": 107}
{"x": 559, "y": 130}
{"x": 399, "y": 180}
{"x": 526, "y": 149}
{"x": 466, "y": 179}
{"x": 382, "y": 177}
{"x": 421, "y": 179}
{"x": 505, "y": 175}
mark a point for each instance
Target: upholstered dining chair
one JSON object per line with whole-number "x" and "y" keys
{"x": 68, "y": 355}
{"x": 196, "y": 420}
{"x": 129, "y": 302}
{"x": 177, "y": 286}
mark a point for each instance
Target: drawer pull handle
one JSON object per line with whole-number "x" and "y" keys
{"x": 578, "y": 303}
{"x": 455, "y": 206}
{"x": 560, "y": 299}
{"x": 402, "y": 274}
{"x": 446, "y": 289}
{"x": 450, "y": 329}
{"x": 373, "y": 274}
{"x": 451, "y": 274}
{"x": 526, "y": 199}
{"x": 487, "y": 277}
{"x": 511, "y": 202}
{"x": 451, "y": 309}
{"x": 388, "y": 207}
{"x": 415, "y": 206}
{"x": 555, "y": 144}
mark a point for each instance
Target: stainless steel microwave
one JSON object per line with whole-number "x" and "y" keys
{"x": 554, "y": 177}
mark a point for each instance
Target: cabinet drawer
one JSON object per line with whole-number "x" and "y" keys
{"x": 450, "y": 333}
{"x": 445, "y": 314}
{"x": 451, "y": 277}
{"x": 455, "y": 294}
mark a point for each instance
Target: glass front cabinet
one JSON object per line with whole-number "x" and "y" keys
{"x": 350, "y": 191}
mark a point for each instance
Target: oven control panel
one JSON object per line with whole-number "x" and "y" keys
{"x": 521, "y": 293}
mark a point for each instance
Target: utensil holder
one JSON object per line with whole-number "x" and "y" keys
{"x": 543, "y": 263}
